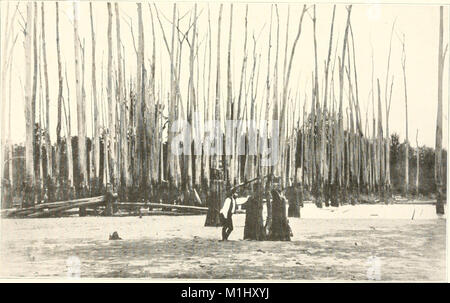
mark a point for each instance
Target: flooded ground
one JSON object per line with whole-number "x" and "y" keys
{"x": 363, "y": 242}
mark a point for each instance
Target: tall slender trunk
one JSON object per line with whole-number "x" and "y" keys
{"x": 229, "y": 171}
{"x": 287, "y": 76}
{"x": 192, "y": 158}
{"x": 340, "y": 139}
{"x": 80, "y": 104}
{"x": 237, "y": 109}
{"x": 417, "y": 163}
{"x": 207, "y": 103}
{"x": 217, "y": 113}
{"x": 60, "y": 99}
{"x": 406, "y": 120}
{"x": 68, "y": 120}
{"x": 4, "y": 62}
{"x": 156, "y": 114}
{"x": 96, "y": 130}
{"x": 140, "y": 112}
{"x": 438, "y": 171}
{"x": 111, "y": 127}
{"x": 388, "y": 106}
{"x": 47, "y": 99}
{"x": 122, "y": 104}
{"x": 380, "y": 143}
{"x": 34, "y": 95}
{"x": 29, "y": 109}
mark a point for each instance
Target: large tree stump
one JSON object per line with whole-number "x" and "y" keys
{"x": 254, "y": 223}
{"x": 440, "y": 199}
{"x": 292, "y": 195}
{"x": 280, "y": 230}
{"x": 214, "y": 204}
{"x": 334, "y": 195}
{"x": 110, "y": 202}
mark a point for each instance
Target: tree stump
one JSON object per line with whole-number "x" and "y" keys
{"x": 280, "y": 230}
{"x": 334, "y": 195}
{"x": 292, "y": 196}
{"x": 214, "y": 204}
{"x": 327, "y": 194}
{"x": 440, "y": 210}
{"x": 254, "y": 224}
{"x": 317, "y": 195}
{"x": 110, "y": 199}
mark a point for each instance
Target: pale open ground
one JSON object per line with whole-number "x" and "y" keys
{"x": 328, "y": 244}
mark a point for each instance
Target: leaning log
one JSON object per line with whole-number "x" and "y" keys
{"x": 28, "y": 210}
{"x": 163, "y": 205}
{"x": 91, "y": 202}
{"x": 55, "y": 207}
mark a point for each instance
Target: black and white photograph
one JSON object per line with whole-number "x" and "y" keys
{"x": 224, "y": 141}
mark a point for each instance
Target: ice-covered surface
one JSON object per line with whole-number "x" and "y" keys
{"x": 347, "y": 243}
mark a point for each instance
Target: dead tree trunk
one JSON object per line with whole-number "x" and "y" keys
{"x": 216, "y": 197}
{"x": 68, "y": 120}
{"x": 29, "y": 110}
{"x": 380, "y": 143}
{"x": 140, "y": 112}
{"x": 80, "y": 104}
{"x": 229, "y": 172}
{"x": 36, "y": 131}
{"x": 96, "y": 143}
{"x": 438, "y": 171}
{"x": 417, "y": 163}
{"x": 122, "y": 105}
{"x": 254, "y": 224}
{"x": 388, "y": 139}
{"x": 340, "y": 132}
{"x": 280, "y": 230}
{"x": 47, "y": 100}
{"x": 60, "y": 99}
{"x": 406, "y": 121}
{"x": 287, "y": 76}
{"x": 110, "y": 142}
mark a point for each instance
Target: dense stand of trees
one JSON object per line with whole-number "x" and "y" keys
{"x": 325, "y": 151}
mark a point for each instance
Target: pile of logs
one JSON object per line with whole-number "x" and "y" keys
{"x": 58, "y": 208}
{"x": 101, "y": 205}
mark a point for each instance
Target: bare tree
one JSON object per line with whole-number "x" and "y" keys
{"x": 122, "y": 105}
{"x": 68, "y": 120}
{"x": 34, "y": 95}
{"x": 80, "y": 103}
{"x": 406, "y": 117}
{"x": 438, "y": 171}
{"x": 29, "y": 109}
{"x": 60, "y": 98}
{"x": 417, "y": 163}
{"x": 96, "y": 130}
{"x": 109, "y": 90}
{"x": 47, "y": 98}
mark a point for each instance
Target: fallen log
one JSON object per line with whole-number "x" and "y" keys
{"x": 28, "y": 210}
{"x": 173, "y": 206}
{"x": 92, "y": 201}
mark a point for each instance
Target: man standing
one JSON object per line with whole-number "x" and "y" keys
{"x": 226, "y": 213}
